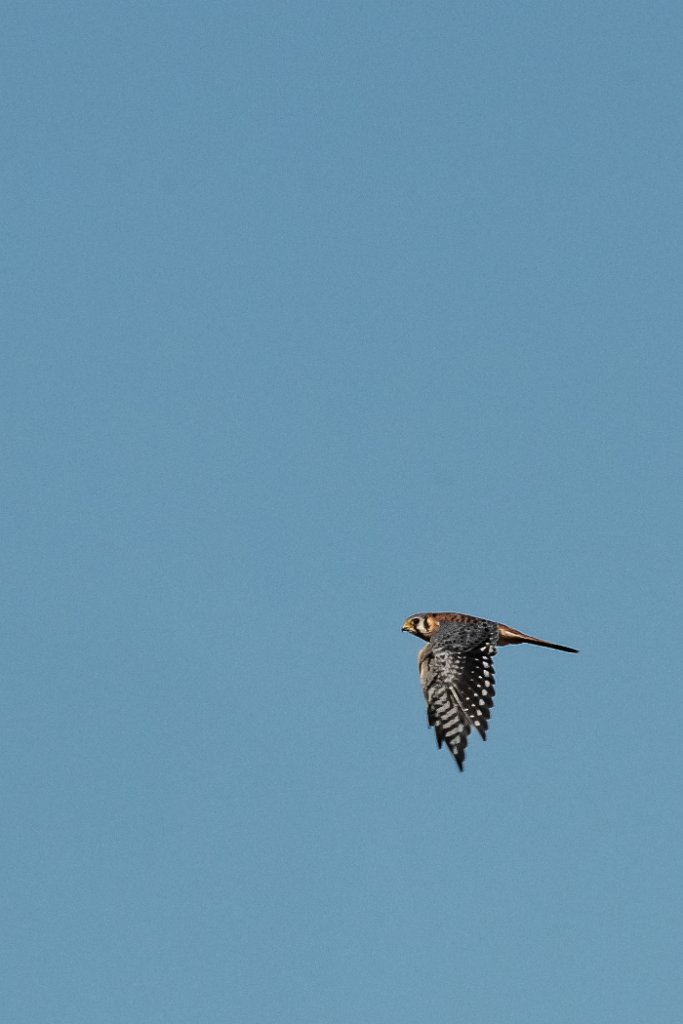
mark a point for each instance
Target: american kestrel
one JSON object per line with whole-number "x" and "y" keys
{"x": 456, "y": 670}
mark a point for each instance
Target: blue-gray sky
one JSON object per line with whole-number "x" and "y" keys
{"x": 316, "y": 316}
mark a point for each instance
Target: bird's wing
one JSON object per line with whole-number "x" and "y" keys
{"x": 445, "y": 711}
{"x": 456, "y": 670}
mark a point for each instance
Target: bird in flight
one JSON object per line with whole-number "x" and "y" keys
{"x": 456, "y": 671}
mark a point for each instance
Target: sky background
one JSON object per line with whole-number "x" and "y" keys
{"x": 316, "y": 316}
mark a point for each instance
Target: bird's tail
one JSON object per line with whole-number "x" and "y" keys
{"x": 506, "y": 635}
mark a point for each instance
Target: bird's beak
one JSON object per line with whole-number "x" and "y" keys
{"x": 405, "y": 628}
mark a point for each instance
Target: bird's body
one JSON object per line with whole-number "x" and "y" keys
{"x": 456, "y": 671}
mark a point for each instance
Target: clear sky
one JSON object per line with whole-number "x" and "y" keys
{"x": 315, "y": 316}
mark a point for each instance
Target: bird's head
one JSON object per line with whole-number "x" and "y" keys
{"x": 423, "y": 625}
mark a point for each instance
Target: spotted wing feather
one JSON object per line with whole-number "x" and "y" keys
{"x": 477, "y": 688}
{"x": 456, "y": 669}
{"x": 444, "y": 710}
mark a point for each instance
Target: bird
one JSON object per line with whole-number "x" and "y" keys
{"x": 456, "y": 671}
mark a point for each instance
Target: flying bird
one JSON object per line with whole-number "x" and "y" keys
{"x": 456, "y": 671}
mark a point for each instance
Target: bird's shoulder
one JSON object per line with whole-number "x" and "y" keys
{"x": 465, "y": 634}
